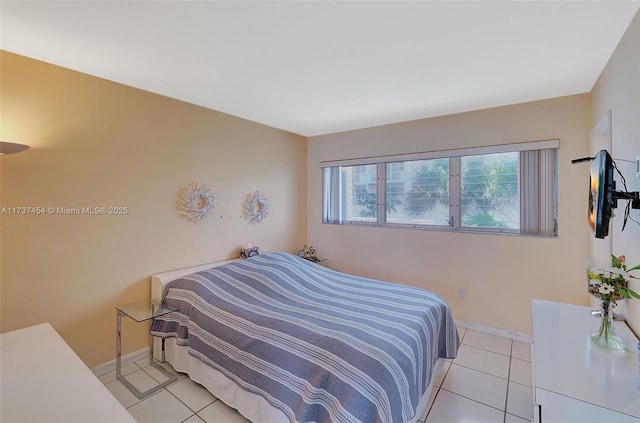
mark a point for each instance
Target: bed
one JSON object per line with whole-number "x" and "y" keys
{"x": 282, "y": 339}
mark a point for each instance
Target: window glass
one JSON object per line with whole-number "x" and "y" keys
{"x": 418, "y": 192}
{"x": 489, "y": 195}
{"x": 503, "y": 192}
{"x": 359, "y": 192}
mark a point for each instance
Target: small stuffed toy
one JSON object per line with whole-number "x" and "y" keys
{"x": 249, "y": 251}
{"x": 308, "y": 253}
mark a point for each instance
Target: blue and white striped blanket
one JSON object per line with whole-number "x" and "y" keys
{"x": 319, "y": 345}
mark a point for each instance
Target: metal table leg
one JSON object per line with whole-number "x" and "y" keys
{"x": 119, "y": 347}
{"x": 170, "y": 376}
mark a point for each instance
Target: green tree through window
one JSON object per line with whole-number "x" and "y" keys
{"x": 489, "y": 191}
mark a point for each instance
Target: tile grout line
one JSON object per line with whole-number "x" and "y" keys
{"x": 431, "y": 407}
{"x": 139, "y": 400}
{"x": 145, "y": 398}
{"x": 504, "y": 415}
{"x": 506, "y": 399}
{"x": 182, "y": 402}
{"x": 471, "y": 399}
{"x": 443, "y": 378}
{"x": 194, "y": 412}
{"x": 484, "y": 349}
{"x": 480, "y": 371}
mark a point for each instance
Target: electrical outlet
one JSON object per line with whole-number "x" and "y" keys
{"x": 462, "y": 293}
{"x": 637, "y": 166}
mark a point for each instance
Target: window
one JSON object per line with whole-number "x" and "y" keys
{"x": 503, "y": 189}
{"x": 489, "y": 196}
{"x": 421, "y": 196}
{"x": 351, "y": 194}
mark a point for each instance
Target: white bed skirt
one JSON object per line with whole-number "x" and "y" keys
{"x": 251, "y": 406}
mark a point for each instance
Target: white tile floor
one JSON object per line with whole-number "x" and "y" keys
{"x": 489, "y": 381}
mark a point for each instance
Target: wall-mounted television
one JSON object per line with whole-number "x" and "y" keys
{"x": 603, "y": 197}
{"x": 601, "y": 194}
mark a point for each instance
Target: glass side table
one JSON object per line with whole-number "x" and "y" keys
{"x": 142, "y": 311}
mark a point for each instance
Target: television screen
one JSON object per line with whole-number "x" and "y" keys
{"x": 600, "y": 194}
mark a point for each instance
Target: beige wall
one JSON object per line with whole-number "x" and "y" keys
{"x": 501, "y": 274}
{"x": 618, "y": 90}
{"x": 96, "y": 143}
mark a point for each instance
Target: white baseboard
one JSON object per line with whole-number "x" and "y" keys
{"x": 493, "y": 331}
{"x": 110, "y": 366}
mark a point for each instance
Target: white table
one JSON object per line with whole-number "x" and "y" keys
{"x": 43, "y": 380}
{"x": 575, "y": 380}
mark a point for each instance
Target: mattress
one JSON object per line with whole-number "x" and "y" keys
{"x": 252, "y": 406}
{"x": 315, "y": 344}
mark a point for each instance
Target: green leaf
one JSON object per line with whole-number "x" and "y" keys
{"x": 634, "y": 294}
{"x": 628, "y": 293}
{"x": 624, "y": 292}
{"x": 615, "y": 262}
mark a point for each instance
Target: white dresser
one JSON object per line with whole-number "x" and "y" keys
{"x": 43, "y": 380}
{"x": 575, "y": 380}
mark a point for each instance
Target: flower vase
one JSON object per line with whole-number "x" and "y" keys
{"x": 606, "y": 335}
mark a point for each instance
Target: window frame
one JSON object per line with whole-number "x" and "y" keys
{"x": 455, "y": 187}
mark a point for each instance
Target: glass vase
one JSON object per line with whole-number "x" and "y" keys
{"x": 606, "y": 336}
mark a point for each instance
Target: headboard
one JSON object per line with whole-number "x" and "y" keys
{"x": 159, "y": 281}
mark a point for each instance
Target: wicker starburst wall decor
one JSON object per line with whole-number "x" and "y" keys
{"x": 196, "y": 201}
{"x": 256, "y": 207}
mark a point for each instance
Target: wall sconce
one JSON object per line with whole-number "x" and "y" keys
{"x": 11, "y": 147}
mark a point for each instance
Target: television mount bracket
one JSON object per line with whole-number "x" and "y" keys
{"x": 633, "y": 196}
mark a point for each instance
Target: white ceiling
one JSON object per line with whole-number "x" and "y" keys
{"x": 316, "y": 67}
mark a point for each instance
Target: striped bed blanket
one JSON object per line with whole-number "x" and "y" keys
{"x": 320, "y": 345}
